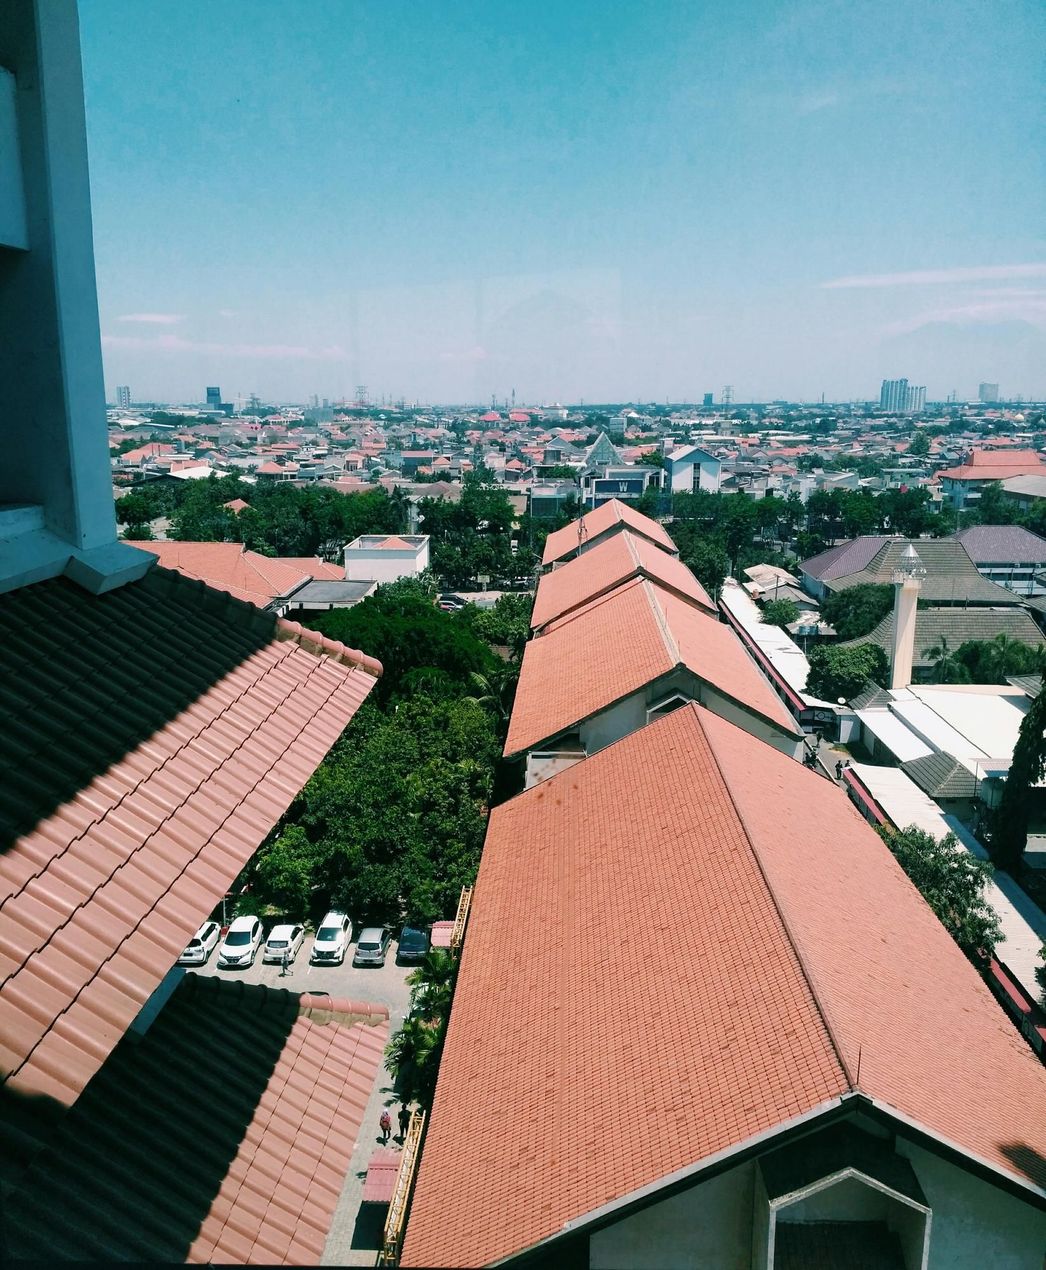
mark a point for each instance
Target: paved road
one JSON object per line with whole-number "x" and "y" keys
{"x": 353, "y": 1239}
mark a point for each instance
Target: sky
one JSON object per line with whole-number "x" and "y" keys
{"x": 574, "y": 200}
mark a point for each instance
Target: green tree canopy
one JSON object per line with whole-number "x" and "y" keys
{"x": 1012, "y": 817}
{"x": 780, "y": 612}
{"x": 837, "y": 671}
{"x": 857, "y": 610}
{"x": 952, "y": 882}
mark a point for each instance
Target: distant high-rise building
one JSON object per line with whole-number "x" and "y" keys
{"x": 214, "y": 399}
{"x": 707, "y": 403}
{"x": 893, "y": 395}
{"x": 899, "y": 397}
{"x": 123, "y": 397}
{"x": 988, "y": 393}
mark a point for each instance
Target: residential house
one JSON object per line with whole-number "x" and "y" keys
{"x": 1009, "y": 555}
{"x": 594, "y": 527}
{"x": 961, "y": 485}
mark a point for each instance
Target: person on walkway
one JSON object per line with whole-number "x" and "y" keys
{"x": 839, "y": 770}
{"x": 404, "y": 1119}
{"x": 386, "y": 1125}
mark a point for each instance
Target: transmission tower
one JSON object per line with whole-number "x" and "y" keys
{"x": 728, "y": 395}
{"x": 361, "y": 394}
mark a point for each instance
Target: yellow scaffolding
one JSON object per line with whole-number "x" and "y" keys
{"x": 461, "y": 920}
{"x": 397, "y": 1214}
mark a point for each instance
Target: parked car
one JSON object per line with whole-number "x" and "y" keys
{"x": 412, "y": 947}
{"x": 332, "y": 940}
{"x": 241, "y": 943}
{"x": 202, "y": 944}
{"x": 372, "y": 946}
{"x": 284, "y": 942}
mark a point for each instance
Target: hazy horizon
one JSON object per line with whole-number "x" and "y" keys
{"x": 604, "y": 202}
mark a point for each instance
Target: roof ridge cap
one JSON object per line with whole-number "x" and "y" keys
{"x": 675, "y": 653}
{"x": 785, "y": 925}
{"x": 314, "y": 642}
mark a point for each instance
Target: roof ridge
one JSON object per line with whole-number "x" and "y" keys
{"x": 675, "y": 653}
{"x": 807, "y": 973}
{"x": 314, "y": 642}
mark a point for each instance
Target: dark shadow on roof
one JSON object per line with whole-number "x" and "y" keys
{"x": 131, "y": 1172}
{"x": 85, "y": 679}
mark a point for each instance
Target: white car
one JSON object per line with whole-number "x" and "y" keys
{"x": 241, "y": 943}
{"x": 333, "y": 937}
{"x": 284, "y": 943}
{"x": 202, "y": 944}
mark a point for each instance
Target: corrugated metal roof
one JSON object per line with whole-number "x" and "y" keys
{"x": 224, "y": 1135}
{"x": 158, "y": 750}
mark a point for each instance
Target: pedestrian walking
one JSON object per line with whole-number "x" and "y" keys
{"x": 839, "y": 770}
{"x": 386, "y": 1125}
{"x": 404, "y": 1119}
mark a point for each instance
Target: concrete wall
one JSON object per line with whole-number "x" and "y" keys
{"x": 709, "y": 1227}
{"x": 753, "y": 724}
{"x": 975, "y": 1225}
{"x": 384, "y": 564}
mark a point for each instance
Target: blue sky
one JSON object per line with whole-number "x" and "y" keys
{"x": 575, "y": 200}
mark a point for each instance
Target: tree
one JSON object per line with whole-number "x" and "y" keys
{"x": 857, "y": 610}
{"x": 1009, "y": 835}
{"x": 920, "y": 444}
{"x": 432, "y": 984}
{"x": 411, "y": 1056}
{"x": 780, "y": 612}
{"x": 283, "y": 873}
{"x": 992, "y": 661}
{"x": 952, "y": 882}
{"x": 843, "y": 670}
{"x": 948, "y": 669}
{"x": 707, "y": 560}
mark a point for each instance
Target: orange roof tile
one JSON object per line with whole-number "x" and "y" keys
{"x": 187, "y": 1150}
{"x": 608, "y": 518}
{"x": 229, "y": 566}
{"x": 606, "y": 566}
{"x": 317, "y": 569}
{"x": 754, "y": 995}
{"x": 616, "y": 645}
{"x": 144, "y": 768}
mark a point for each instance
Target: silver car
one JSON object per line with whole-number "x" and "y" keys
{"x": 202, "y": 944}
{"x": 372, "y": 946}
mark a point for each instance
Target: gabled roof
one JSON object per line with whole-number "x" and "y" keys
{"x": 617, "y": 645}
{"x": 606, "y": 566}
{"x": 957, "y": 626}
{"x": 141, "y": 769}
{"x": 602, "y": 452}
{"x": 607, "y": 518}
{"x": 229, "y": 566}
{"x": 941, "y": 776}
{"x": 783, "y": 951}
{"x": 1001, "y": 544}
{"x": 187, "y": 1147}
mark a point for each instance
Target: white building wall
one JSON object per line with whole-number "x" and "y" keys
{"x": 753, "y": 724}
{"x": 709, "y": 1227}
{"x": 620, "y": 720}
{"x": 975, "y": 1226}
{"x": 384, "y": 564}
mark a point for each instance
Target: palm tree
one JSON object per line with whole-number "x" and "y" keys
{"x": 947, "y": 667}
{"x": 432, "y": 984}
{"x": 408, "y": 1057}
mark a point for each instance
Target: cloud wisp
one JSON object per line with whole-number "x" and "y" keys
{"x": 938, "y": 277}
{"x": 1031, "y": 310}
{"x": 175, "y": 344}
{"x": 153, "y": 319}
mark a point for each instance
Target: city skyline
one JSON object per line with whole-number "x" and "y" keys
{"x": 597, "y": 203}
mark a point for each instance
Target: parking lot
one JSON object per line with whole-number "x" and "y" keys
{"x": 386, "y": 984}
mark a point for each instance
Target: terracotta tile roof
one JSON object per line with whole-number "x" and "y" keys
{"x": 396, "y": 544}
{"x": 223, "y": 1135}
{"x": 592, "y": 1091}
{"x": 608, "y": 518}
{"x": 382, "y": 1170}
{"x": 143, "y": 768}
{"x": 607, "y": 566}
{"x": 996, "y": 465}
{"x": 229, "y": 566}
{"x": 754, "y": 997}
{"x": 319, "y": 570}
{"x": 616, "y": 645}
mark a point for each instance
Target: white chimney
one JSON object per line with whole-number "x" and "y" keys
{"x": 908, "y": 582}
